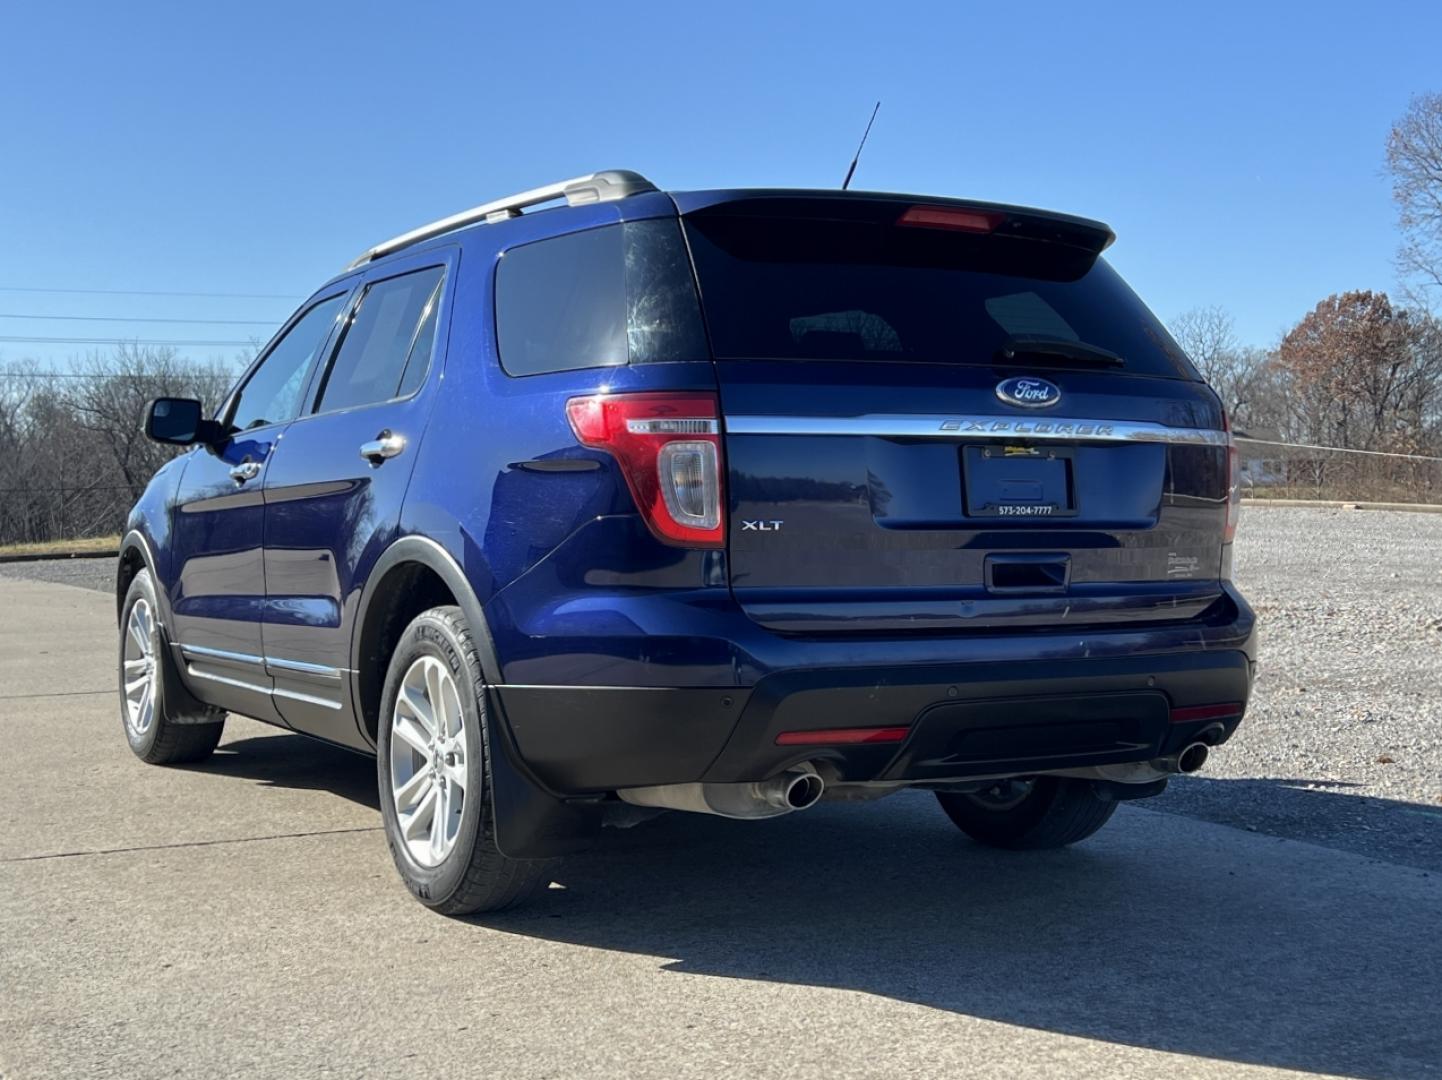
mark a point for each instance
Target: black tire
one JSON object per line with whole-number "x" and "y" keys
{"x": 173, "y": 735}
{"x": 474, "y": 875}
{"x": 1054, "y": 812}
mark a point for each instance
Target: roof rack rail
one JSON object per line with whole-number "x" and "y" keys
{"x": 607, "y": 186}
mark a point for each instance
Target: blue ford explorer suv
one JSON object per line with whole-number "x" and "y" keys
{"x": 598, "y": 500}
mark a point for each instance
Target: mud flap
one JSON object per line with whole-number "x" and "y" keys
{"x": 531, "y": 823}
{"x": 179, "y": 705}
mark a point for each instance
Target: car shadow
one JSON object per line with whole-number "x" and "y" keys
{"x": 1330, "y": 813}
{"x": 293, "y": 761}
{"x": 1161, "y": 932}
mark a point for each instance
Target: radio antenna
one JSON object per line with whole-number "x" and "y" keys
{"x": 851, "y": 171}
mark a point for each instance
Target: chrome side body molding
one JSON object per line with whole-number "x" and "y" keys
{"x": 202, "y": 663}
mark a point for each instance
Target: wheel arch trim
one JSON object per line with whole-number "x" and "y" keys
{"x": 430, "y": 554}
{"x": 136, "y": 541}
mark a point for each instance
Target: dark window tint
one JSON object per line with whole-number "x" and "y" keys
{"x": 561, "y": 304}
{"x": 777, "y": 287}
{"x": 607, "y": 296}
{"x": 378, "y": 346}
{"x": 272, "y": 394}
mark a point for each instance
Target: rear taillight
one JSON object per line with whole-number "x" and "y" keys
{"x": 1234, "y": 483}
{"x": 669, "y": 450}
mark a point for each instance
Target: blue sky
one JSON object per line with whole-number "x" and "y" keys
{"x": 1237, "y": 149}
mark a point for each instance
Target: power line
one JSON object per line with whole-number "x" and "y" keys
{"x": 120, "y": 341}
{"x": 195, "y": 373}
{"x": 138, "y": 318}
{"x": 152, "y": 292}
{"x": 1336, "y": 449}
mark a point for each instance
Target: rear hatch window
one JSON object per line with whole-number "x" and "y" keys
{"x": 856, "y": 281}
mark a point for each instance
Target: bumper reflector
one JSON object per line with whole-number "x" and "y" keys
{"x": 1206, "y": 712}
{"x": 839, "y": 736}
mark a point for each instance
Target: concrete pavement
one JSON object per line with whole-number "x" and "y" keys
{"x": 243, "y": 918}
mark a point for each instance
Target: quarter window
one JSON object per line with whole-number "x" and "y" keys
{"x": 608, "y": 296}
{"x": 385, "y": 347}
{"x": 273, "y": 393}
{"x": 561, "y": 304}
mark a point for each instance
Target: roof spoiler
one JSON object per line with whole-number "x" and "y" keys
{"x": 998, "y": 219}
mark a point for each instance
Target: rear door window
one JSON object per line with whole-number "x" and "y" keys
{"x": 385, "y": 347}
{"x": 614, "y": 295}
{"x": 778, "y": 288}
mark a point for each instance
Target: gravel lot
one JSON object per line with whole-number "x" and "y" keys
{"x": 1350, "y": 691}
{"x": 1341, "y": 744}
{"x": 89, "y": 573}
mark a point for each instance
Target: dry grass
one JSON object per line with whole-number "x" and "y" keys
{"x": 61, "y": 548}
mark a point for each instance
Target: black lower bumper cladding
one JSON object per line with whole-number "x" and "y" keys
{"x": 959, "y": 720}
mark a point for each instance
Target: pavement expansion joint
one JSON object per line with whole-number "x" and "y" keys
{"x": 56, "y": 693}
{"x": 189, "y": 844}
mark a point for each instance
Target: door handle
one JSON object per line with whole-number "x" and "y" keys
{"x": 246, "y": 470}
{"x": 385, "y": 445}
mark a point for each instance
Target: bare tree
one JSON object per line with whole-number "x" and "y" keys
{"x": 39, "y": 451}
{"x": 110, "y": 402}
{"x": 1208, "y": 336}
{"x": 74, "y": 458}
{"x": 1414, "y": 159}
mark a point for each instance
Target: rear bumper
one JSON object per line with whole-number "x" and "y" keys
{"x": 984, "y": 721}
{"x": 1026, "y": 703}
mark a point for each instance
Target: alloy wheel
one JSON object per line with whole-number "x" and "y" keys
{"x": 428, "y": 755}
{"x": 141, "y": 671}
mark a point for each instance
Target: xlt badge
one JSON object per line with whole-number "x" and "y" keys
{"x": 761, "y": 526}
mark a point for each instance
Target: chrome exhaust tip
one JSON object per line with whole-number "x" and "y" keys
{"x": 796, "y": 789}
{"x": 803, "y": 789}
{"x": 1193, "y": 757}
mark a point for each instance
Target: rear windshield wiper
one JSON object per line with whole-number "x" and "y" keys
{"x": 1058, "y": 349}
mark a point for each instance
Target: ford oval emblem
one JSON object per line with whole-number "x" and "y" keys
{"x": 1028, "y": 392}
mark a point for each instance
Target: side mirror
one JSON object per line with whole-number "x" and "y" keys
{"x": 179, "y": 421}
